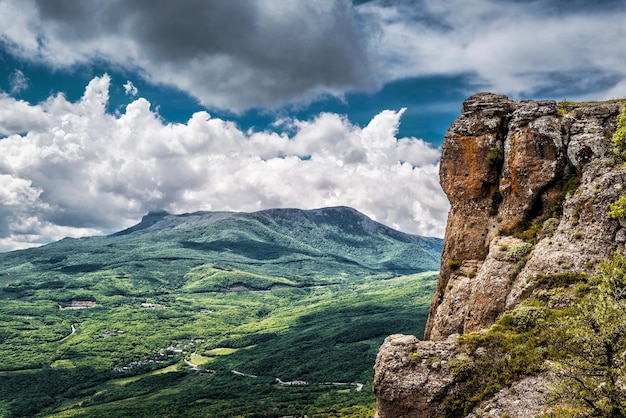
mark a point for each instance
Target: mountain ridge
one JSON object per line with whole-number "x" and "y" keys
{"x": 153, "y": 218}
{"x": 274, "y": 233}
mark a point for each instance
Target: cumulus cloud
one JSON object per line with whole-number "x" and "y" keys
{"x": 130, "y": 89}
{"x": 19, "y": 116}
{"x": 71, "y": 168}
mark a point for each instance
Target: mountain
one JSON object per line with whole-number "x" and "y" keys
{"x": 529, "y": 314}
{"x": 210, "y": 313}
{"x": 307, "y": 246}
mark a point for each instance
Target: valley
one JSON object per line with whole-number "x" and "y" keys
{"x": 272, "y": 313}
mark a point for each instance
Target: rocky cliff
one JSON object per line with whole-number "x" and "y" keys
{"x": 529, "y": 186}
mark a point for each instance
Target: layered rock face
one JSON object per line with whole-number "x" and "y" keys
{"x": 504, "y": 166}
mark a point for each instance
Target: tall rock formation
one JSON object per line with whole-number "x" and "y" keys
{"x": 529, "y": 186}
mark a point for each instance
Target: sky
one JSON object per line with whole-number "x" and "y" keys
{"x": 110, "y": 109}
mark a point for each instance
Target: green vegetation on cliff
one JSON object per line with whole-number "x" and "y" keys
{"x": 619, "y": 137}
{"x": 583, "y": 342}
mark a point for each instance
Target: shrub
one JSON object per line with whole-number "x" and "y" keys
{"x": 527, "y": 317}
{"x": 549, "y": 226}
{"x": 432, "y": 360}
{"x": 575, "y": 217}
{"x": 559, "y": 279}
{"x": 581, "y": 289}
{"x": 619, "y": 137}
{"x": 495, "y": 156}
{"x": 453, "y": 264}
{"x": 507, "y": 356}
{"x": 519, "y": 251}
{"x": 462, "y": 367}
{"x": 590, "y": 344}
{"x": 516, "y": 270}
{"x": 617, "y": 209}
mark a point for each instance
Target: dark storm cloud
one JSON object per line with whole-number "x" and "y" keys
{"x": 575, "y": 6}
{"x": 167, "y": 30}
{"x": 232, "y": 54}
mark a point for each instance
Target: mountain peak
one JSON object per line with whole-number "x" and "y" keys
{"x": 155, "y": 214}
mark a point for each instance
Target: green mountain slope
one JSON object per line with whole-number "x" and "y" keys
{"x": 173, "y": 316}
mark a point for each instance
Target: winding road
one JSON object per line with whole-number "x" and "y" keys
{"x": 73, "y": 331}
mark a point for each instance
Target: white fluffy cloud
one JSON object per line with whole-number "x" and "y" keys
{"x": 130, "y": 89}
{"x": 73, "y": 169}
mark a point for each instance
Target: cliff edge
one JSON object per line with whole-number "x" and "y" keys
{"x": 529, "y": 184}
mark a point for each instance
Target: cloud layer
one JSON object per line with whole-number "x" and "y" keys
{"x": 73, "y": 169}
{"x": 242, "y": 54}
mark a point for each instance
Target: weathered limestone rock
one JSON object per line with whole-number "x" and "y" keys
{"x": 452, "y": 311}
{"x": 534, "y": 159}
{"x": 489, "y": 197}
{"x": 470, "y": 160}
{"x": 524, "y": 399}
{"x": 585, "y": 234}
{"x": 504, "y": 168}
{"x": 492, "y": 284}
{"x": 588, "y": 133}
{"x": 412, "y": 377}
{"x": 477, "y": 291}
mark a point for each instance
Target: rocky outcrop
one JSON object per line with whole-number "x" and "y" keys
{"x": 406, "y": 367}
{"x": 503, "y": 165}
{"x": 413, "y": 378}
{"x": 529, "y": 186}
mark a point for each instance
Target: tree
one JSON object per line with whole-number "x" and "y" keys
{"x": 592, "y": 347}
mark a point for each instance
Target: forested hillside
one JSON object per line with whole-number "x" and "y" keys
{"x": 210, "y": 314}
